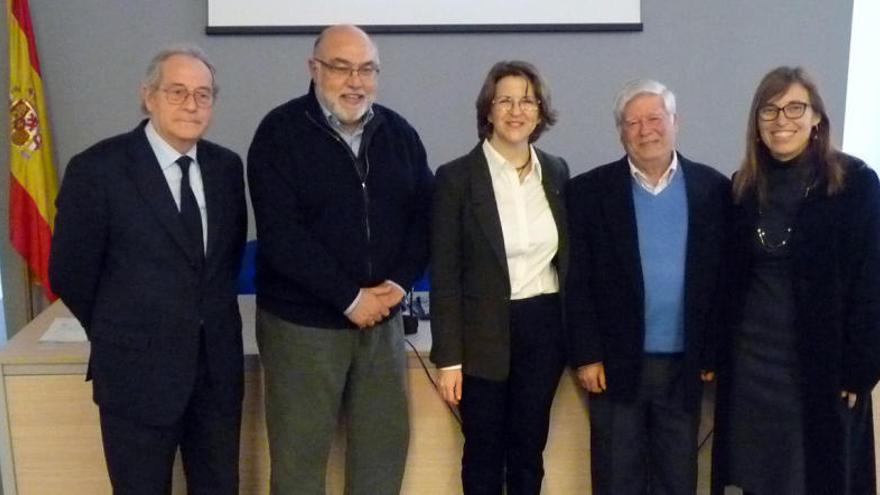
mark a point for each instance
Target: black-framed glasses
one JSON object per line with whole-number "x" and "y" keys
{"x": 526, "y": 105}
{"x": 368, "y": 71}
{"x": 791, "y": 110}
{"x": 177, "y": 95}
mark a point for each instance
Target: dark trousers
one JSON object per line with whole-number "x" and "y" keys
{"x": 140, "y": 456}
{"x": 648, "y": 445}
{"x": 859, "y": 446}
{"x": 505, "y": 423}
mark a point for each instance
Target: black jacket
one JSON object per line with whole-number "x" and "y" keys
{"x": 323, "y": 230}
{"x": 470, "y": 285}
{"x": 835, "y": 270}
{"x": 119, "y": 261}
{"x": 605, "y": 292}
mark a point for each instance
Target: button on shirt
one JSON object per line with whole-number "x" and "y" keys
{"x": 530, "y": 236}
{"x": 167, "y": 157}
{"x": 642, "y": 179}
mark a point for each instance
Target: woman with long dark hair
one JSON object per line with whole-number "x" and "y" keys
{"x": 803, "y": 351}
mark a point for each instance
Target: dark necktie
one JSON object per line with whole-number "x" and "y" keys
{"x": 189, "y": 210}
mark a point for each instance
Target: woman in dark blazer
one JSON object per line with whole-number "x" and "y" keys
{"x": 498, "y": 260}
{"x": 803, "y": 350}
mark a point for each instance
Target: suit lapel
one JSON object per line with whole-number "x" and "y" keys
{"x": 213, "y": 185}
{"x": 483, "y": 201}
{"x": 699, "y": 241}
{"x": 619, "y": 211}
{"x": 145, "y": 171}
{"x": 553, "y": 182}
{"x": 553, "y": 189}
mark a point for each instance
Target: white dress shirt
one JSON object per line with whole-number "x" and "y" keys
{"x": 530, "y": 236}
{"x": 664, "y": 181}
{"x": 167, "y": 157}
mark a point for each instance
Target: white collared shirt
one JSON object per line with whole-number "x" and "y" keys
{"x": 530, "y": 236}
{"x": 167, "y": 157}
{"x": 664, "y": 181}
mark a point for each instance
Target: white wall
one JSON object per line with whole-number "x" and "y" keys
{"x": 861, "y": 132}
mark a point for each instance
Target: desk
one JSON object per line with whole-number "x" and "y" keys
{"x": 50, "y": 441}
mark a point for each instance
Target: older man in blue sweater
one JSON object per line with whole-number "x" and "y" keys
{"x": 646, "y": 236}
{"x": 341, "y": 193}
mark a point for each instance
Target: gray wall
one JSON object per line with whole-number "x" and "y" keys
{"x": 710, "y": 52}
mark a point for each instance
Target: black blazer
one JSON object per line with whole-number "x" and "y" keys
{"x": 470, "y": 285}
{"x": 605, "y": 291}
{"x": 119, "y": 262}
{"x": 835, "y": 275}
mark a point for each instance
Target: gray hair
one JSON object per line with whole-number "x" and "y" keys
{"x": 153, "y": 75}
{"x": 640, "y": 87}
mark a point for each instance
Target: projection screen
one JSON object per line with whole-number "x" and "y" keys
{"x": 410, "y": 16}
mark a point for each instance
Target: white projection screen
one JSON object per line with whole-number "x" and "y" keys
{"x": 413, "y": 16}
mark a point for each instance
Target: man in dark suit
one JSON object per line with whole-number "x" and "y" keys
{"x": 148, "y": 240}
{"x": 646, "y": 253}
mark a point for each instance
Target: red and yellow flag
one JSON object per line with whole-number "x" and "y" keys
{"x": 33, "y": 185}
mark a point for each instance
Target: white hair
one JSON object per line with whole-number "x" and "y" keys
{"x": 640, "y": 87}
{"x": 153, "y": 75}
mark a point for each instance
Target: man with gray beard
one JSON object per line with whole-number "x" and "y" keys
{"x": 341, "y": 193}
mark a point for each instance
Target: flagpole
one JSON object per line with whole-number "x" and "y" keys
{"x": 28, "y": 293}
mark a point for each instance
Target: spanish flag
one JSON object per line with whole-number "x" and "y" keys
{"x": 33, "y": 184}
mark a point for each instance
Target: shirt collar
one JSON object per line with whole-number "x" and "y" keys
{"x": 165, "y": 153}
{"x": 665, "y": 179}
{"x": 499, "y": 165}
{"x": 337, "y": 125}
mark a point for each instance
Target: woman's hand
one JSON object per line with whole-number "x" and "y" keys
{"x": 450, "y": 386}
{"x": 849, "y": 397}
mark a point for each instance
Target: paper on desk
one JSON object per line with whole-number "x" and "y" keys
{"x": 64, "y": 330}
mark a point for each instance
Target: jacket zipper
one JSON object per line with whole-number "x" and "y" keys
{"x": 364, "y": 190}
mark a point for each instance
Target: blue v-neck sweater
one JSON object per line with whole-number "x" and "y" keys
{"x": 662, "y": 230}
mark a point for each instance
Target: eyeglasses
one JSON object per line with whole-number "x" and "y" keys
{"x": 177, "y": 95}
{"x": 651, "y": 122}
{"x": 367, "y": 72}
{"x": 526, "y": 105}
{"x": 791, "y": 110}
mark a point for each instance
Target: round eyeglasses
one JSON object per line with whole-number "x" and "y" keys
{"x": 526, "y": 105}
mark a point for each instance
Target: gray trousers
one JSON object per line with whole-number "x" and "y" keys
{"x": 314, "y": 375}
